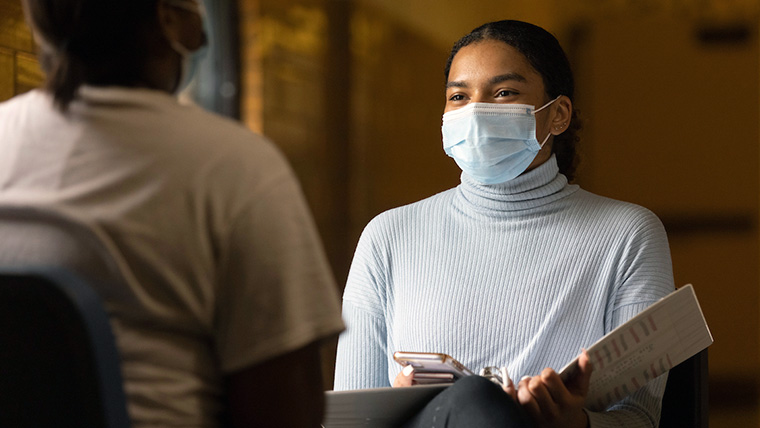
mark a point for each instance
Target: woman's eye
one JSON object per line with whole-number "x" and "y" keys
{"x": 456, "y": 97}
{"x": 505, "y": 93}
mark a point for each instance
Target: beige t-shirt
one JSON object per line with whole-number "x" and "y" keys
{"x": 223, "y": 264}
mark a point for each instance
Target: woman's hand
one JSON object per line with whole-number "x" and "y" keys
{"x": 551, "y": 403}
{"x": 404, "y": 378}
{"x": 509, "y": 388}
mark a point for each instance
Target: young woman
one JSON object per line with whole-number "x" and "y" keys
{"x": 228, "y": 290}
{"x": 514, "y": 267}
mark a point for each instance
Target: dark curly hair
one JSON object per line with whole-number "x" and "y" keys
{"x": 545, "y": 55}
{"x": 98, "y": 42}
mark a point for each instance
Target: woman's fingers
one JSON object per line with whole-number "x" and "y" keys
{"x": 404, "y": 378}
{"x": 554, "y": 385}
{"x": 509, "y": 386}
{"x": 578, "y": 385}
{"x": 548, "y": 407}
{"x": 527, "y": 400}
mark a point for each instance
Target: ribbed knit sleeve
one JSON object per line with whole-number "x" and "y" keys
{"x": 641, "y": 409}
{"x": 645, "y": 276}
{"x": 361, "y": 360}
{"x": 362, "y": 350}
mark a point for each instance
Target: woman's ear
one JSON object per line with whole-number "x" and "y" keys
{"x": 563, "y": 112}
{"x": 169, "y": 20}
{"x": 182, "y": 25}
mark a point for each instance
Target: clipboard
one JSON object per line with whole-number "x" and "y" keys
{"x": 376, "y": 407}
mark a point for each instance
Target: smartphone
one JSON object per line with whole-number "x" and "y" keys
{"x": 431, "y": 368}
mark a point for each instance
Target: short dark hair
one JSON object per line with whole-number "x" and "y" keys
{"x": 545, "y": 55}
{"x": 99, "y": 42}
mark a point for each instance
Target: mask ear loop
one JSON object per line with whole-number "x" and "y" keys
{"x": 546, "y": 105}
{"x": 193, "y": 6}
{"x": 548, "y": 134}
{"x": 183, "y": 52}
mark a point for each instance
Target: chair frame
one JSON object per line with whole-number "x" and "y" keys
{"x": 58, "y": 353}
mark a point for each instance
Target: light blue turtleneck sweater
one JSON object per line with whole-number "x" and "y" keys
{"x": 522, "y": 274}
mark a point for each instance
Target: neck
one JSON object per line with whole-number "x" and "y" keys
{"x": 161, "y": 72}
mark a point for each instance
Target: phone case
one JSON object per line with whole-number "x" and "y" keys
{"x": 432, "y": 367}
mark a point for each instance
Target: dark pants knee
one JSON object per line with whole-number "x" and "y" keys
{"x": 473, "y": 401}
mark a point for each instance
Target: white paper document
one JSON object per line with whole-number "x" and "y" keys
{"x": 648, "y": 345}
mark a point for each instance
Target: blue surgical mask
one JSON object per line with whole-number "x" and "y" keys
{"x": 191, "y": 60}
{"x": 492, "y": 143}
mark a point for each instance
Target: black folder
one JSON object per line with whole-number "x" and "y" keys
{"x": 376, "y": 407}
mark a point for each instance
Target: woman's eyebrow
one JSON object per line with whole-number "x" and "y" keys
{"x": 456, "y": 84}
{"x": 492, "y": 81}
{"x": 505, "y": 77}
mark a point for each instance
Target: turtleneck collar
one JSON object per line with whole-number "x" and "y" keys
{"x": 539, "y": 186}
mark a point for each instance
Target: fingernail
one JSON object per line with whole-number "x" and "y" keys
{"x": 524, "y": 378}
{"x": 505, "y": 376}
{"x": 407, "y": 370}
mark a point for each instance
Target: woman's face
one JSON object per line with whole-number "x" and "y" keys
{"x": 491, "y": 71}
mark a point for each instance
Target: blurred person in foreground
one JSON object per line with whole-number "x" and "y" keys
{"x": 228, "y": 292}
{"x": 515, "y": 266}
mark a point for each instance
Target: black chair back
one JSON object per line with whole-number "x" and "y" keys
{"x": 685, "y": 402}
{"x": 59, "y": 366}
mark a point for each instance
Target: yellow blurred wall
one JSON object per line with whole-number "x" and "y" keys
{"x": 672, "y": 112}
{"x": 19, "y": 69}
